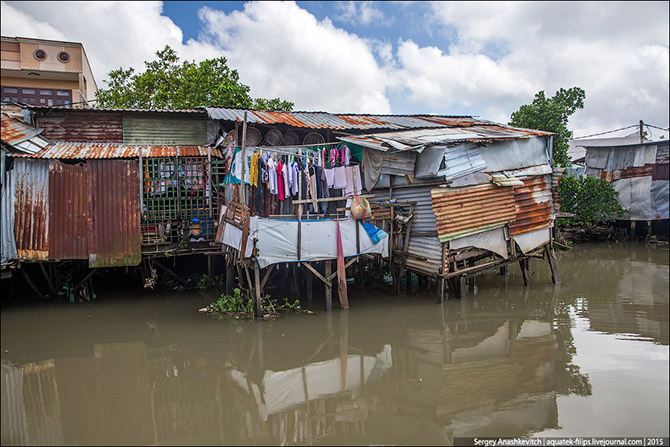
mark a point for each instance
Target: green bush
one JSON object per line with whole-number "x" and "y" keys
{"x": 592, "y": 200}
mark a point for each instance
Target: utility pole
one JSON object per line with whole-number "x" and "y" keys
{"x": 641, "y": 131}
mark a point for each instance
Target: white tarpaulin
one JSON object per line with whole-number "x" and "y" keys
{"x": 532, "y": 239}
{"x": 492, "y": 240}
{"x": 283, "y": 390}
{"x": 277, "y": 240}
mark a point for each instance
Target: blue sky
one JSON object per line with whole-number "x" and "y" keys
{"x": 452, "y": 58}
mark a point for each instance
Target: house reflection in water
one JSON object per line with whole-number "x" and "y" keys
{"x": 489, "y": 367}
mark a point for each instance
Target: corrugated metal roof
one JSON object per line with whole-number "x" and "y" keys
{"x": 324, "y": 120}
{"x": 7, "y": 240}
{"x": 31, "y": 209}
{"x": 173, "y": 130}
{"x": 68, "y": 211}
{"x": 461, "y": 160}
{"x": 413, "y": 139}
{"x": 82, "y": 126}
{"x": 103, "y": 109}
{"x": 15, "y": 131}
{"x": 533, "y": 205}
{"x": 93, "y": 150}
{"x": 464, "y": 211}
{"x": 114, "y": 235}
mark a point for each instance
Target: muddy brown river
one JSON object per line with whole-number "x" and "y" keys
{"x": 586, "y": 358}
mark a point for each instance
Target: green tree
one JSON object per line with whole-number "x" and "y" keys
{"x": 168, "y": 83}
{"x": 551, "y": 115}
{"x": 591, "y": 199}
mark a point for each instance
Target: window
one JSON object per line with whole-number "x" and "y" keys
{"x": 28, "y": 91}
{"x": 63, "y": 92}
{"x": 63, "y": 57}
{"x": 40, "y": 55}
{"x": 10, "y": 90}
{"x": 45, "y": 92}
{"x": 42, "y": 97}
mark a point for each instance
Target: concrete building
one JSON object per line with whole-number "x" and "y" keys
{"x": 46, "y": 73}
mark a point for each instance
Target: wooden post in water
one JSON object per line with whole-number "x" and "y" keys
{"x": 524, "y": 270}
{"x": 463, "y": 286}
{"x": 329, "y": 288}
{"x": 551, "y": 258}
{"x": 308, "y": 284}
{"x": 440, "y": 289}
{"x": 257, "y": 288}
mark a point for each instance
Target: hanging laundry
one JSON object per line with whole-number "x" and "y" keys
{"x": 272, "y": 176}
{"x": 356, "y": 176}
{"x": 280, "y": 180}
{"x": 339, "y": 178}
{"x": 253, "y": 170}
{"x": 262, "y": 167}
{"x": 349, "y": 176}
{"x": 346, "y": 155}
{"x": 285, "y": 174}
{"x": 330, "y": 175}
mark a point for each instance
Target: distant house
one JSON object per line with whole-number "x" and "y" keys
{"x": 639, "y": 172}
{"x": 42, "y": 72}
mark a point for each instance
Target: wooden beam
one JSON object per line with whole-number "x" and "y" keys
{"x": 330, "y": 199}
{"x": 316, "y": 273}
{"x": 329, "y": 288}
{"x": 176, "y": 276}
{"x": 48, "y": 278}
{"x": 267, "y": 275}
{"x": 351, "y": 261}
{"x": 31, "y": 283}
{"x": 86, "y": 278}
{"x": 257, "y": 287}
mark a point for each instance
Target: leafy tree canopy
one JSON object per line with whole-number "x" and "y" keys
{"x": 593, "y": 200}
{"x": 551, "y": 115}
{"x": 168, "y": 83}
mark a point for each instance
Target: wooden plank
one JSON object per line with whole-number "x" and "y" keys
{"x": 330, "y": 199}
{"x": 267, "y": 275}
{"x": 316, "y": 273}
{"x": 329, "y": 288}
{"x": 351, "y": 261}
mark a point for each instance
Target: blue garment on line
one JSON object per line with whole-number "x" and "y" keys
{"x": 376, "y": 234}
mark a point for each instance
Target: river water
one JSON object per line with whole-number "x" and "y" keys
{"x": 586, "y": 358}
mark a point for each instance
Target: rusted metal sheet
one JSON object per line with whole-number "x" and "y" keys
{"x": 82, "y": 151}
{"x": 398, "y": 163}
{"x": 14, "y": 131}
{"x": 464, "y": 211}
{"x": 662, "y": 153}
{"x": 631, "y": 172}
{"x": 113, "y": 213}
{"x": 31, "y": 209}
{"x": 8, "y": 252}
{"x": 556, "y": 176}
{"x": 156, "y": 129}
{"x": 82, "y": 126}
{"x": 68, "y": 210}
{"x": 533, "y": 205}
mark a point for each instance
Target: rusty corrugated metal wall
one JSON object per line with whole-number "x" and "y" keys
{"x": 31, "y": 209}
{"x": 165, "y": 130}
{"x": 464, "y": 211}
{"x": 82, "y": 126}
{"x": 68, "y": 210}
{"x": 533, "y": 205}
{"x": 113, "y": 213}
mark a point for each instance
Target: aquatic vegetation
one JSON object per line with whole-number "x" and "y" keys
{"x": 240, "y": 305}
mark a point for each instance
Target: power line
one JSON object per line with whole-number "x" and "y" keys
{"x": 609, "y": 131}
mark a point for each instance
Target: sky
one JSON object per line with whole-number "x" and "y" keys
{"x": 450, "y": 58}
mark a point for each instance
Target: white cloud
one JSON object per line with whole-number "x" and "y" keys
{"x": 281, "y": 50}
{"x": 359, "y": 12}
{"x": 487, "y": 60}
{"x": 114, "y": 34}
{"x": 616, "y": 51}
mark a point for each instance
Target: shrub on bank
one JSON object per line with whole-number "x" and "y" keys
{"x": 594, "y": 201}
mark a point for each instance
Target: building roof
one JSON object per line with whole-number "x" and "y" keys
{"x": 95, "y": 150}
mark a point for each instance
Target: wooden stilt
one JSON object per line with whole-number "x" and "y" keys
{"x": 172, "y": 273}
{"x": 551, "y": 258}
{"x": 308, "y": 286}
{"x": 209, "y": 266}
{"x": 257, "y": 287}
{"x": 523, "y": 264}
{"x": 440, "y": 289}
{"x": 463, "y": 286}
{"x": 47, "y": 276}
{"x": 31, "y": 283}
{"x": 230, "y": 277}
{"x": 329, "y": 288}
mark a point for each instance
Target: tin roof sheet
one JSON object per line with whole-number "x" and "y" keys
{"x": 464, "y": 211}
{"x": 417, "y": 138}
{"x": 15, "y": 131}
{"x": 324, "y": 120}
{"x": 533, "y": 202}
{"x": 95, "y": 150}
